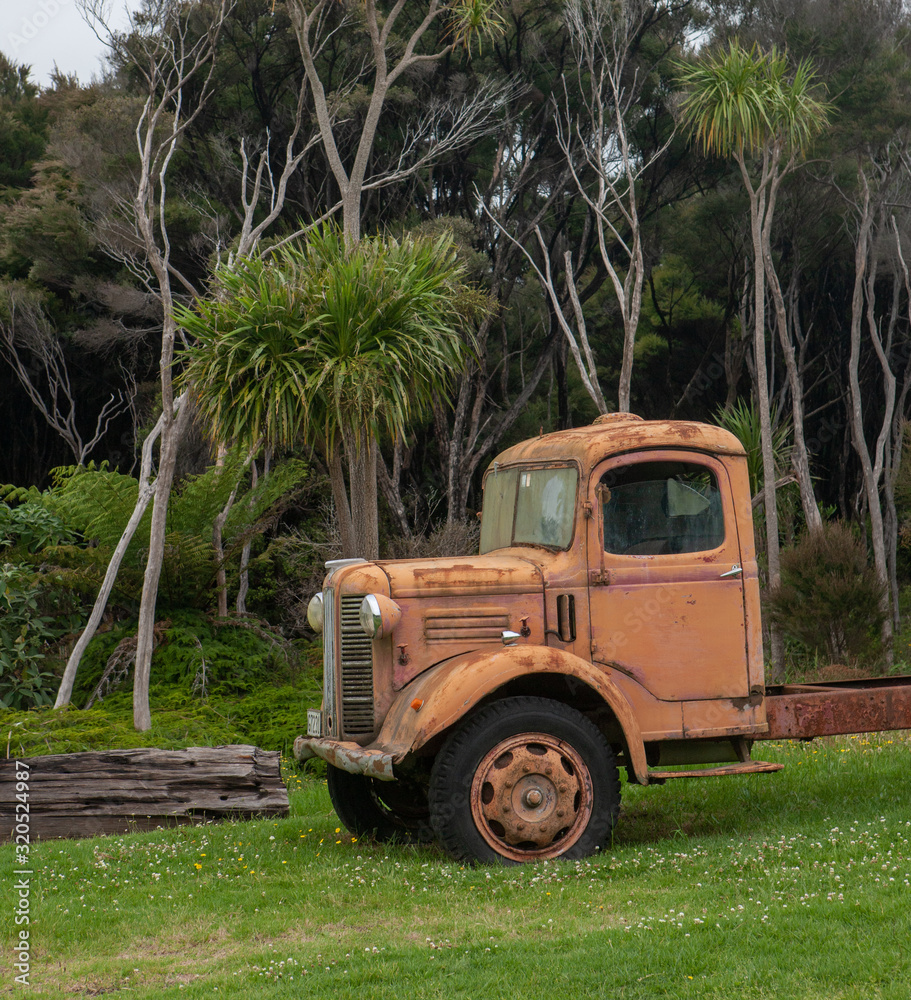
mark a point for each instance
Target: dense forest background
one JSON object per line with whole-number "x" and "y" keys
{"x": 547, "y": 139}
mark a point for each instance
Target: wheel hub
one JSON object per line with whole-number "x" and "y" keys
{"x": 531, "y": 797}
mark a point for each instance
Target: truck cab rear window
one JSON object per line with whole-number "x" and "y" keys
{"x": 654, "y": 508}
{"x": 529, "y": 507}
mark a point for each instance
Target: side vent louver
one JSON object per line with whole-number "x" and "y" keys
{"x": 482, "y": 625}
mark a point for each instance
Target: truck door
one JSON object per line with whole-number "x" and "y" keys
{"x": 667, "y": 608}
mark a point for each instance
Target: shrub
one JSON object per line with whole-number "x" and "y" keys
{"x": 830, "y": 598}
{"x": 196, "y": 656}
{"x": 458, "y": 538}
{"x": 24, "y": 632}
{"x": 32, "y": 526}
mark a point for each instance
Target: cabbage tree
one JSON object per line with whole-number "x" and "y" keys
{"x": 331, "y": 344}
{"x": 752, "y": 106}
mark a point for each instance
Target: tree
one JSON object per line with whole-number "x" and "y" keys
{"x": 742, "y": 104}
{"x": 440, "y": 128}
{"x": 171, "y": 50}
{"x": 333, "y": 343}
{"x": 607, "y": 168}
{"x": 519, "y": 180}
{"x": 144, "y": 496}
{"x": 599, "y": 130}
{"x": 23, "y": 124}
{"x": 168, "y": 55}
{"x": 878, "y": 176}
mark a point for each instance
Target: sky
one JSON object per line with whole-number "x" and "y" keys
{"x": 40, "y": 33}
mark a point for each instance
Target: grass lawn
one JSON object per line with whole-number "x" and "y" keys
{"x": 785, "y": 886}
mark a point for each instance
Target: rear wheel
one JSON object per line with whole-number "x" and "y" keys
{"x": 524, "y": 779}
{"x": 380, "y": 810}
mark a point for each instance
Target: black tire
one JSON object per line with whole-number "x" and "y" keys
{"x": 524, "y": 779}
{"x": 385, "y": 811}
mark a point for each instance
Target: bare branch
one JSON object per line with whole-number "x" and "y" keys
{"x": 604, "y": 167}
{"x": 29, "y": 326}
{"x": 250, "y": 234}
{"x": 446, "y": 126}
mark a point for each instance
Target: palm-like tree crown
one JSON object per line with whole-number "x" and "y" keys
{"x": 329, "y": 337}
{"x": 737, "y": 101}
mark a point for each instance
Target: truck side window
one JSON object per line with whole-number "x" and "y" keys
{"x": 652, "y": 508}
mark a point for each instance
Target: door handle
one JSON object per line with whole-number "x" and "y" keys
{"x": 735, "y": 570}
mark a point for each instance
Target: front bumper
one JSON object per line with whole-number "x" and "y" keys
{"x": 373, "y": 763}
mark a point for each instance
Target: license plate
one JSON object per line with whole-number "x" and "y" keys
{"x": 314, "y": 722}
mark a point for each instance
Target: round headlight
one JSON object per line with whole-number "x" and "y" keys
{"x": 379, "y": 616}
{"x": 371, "y": 616}
{"x": 315, "y": 613}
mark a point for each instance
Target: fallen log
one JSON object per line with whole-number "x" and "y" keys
{"x": 121, "y": 791}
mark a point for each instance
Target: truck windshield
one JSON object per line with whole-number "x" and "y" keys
{"x": 529, "y": 507}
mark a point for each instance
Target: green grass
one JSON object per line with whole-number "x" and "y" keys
{"x": 786, "y": 886}
{"x": 269, "y": 716}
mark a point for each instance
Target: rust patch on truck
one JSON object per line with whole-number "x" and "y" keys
{"x": 349, "y": 757}
{"x": 804, "y": 711}
{"x": 450, "y": 689}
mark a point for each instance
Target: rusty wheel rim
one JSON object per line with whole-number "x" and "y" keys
{"x": 531, "y": 797}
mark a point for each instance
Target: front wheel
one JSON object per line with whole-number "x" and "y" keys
{"x": 385, "y": 811}
{"x": 524, "y": 779}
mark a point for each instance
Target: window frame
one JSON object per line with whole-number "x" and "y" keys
{"x": 663, "y": 456}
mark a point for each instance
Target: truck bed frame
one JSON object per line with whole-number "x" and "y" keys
{"x": 868, "y": 705}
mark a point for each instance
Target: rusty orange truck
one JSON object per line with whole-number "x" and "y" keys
{"x": 611, "y": 620}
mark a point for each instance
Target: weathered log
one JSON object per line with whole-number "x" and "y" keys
{"x": 120, "y": 791}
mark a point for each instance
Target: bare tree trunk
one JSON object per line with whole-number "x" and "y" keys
{"x": 456, "y": 434}
{"x": 218, "y": 527}
{"x": 758, "y": 204}
{"x": 218, "y": 542}
{"x": 896, "y": 451}
{"x": 146, "y": 489}
{"x": 362, "y": 460}
{"x": 736, "y": 352}
{"x": 799, "y": 455}
{"x": 390, "y": 484}
{"x": 172, "y": 433}
{"x": 342, "y": 507}
{"x": 472, "y": 436}
{"x": 243, "y": 576}
{"x": 859, "y": 309}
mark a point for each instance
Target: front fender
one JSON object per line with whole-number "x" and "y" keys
{"x": 437, "y": 699}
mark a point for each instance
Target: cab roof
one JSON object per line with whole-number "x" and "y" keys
{"x": 616, "y": 433}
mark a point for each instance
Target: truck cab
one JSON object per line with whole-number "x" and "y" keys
{"x": 610, "y": 620}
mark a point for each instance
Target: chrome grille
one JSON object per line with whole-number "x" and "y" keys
{"x": 329, "y": 662}
{"x": 356, "y": 663}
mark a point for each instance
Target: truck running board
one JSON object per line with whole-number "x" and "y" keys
{"x": 745, "y": 767}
